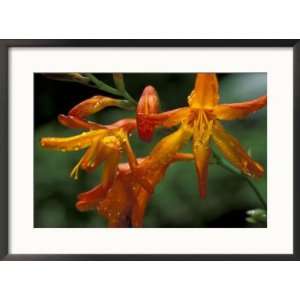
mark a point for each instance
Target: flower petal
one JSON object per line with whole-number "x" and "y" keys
{"x": 139, "y": 208}
{"x": 116, "y": 207}
{"x": 126, "y": 124}
{"x": 73, "y": 143}
{"x": 166, "y": 148}
{"x": 233, "y": 151}
{"x": 201, "y": 137}
{"x": 110, "y": 168}
{"x": 89, "y": 200}
{"x": 93, "y": 105}
{"x": 166, "y": 119}
{"x": 153, "y": 167}
{"x": 96, "y": 154}
{"x": 202, "y": 154}
{"x": 74, "y": 122}
{"x": 241, "y": 110}
{"x": 206, "y": 91}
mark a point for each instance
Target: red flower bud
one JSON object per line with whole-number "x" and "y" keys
{"x": 148, "y": 104}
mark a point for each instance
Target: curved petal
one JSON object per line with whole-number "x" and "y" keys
{"x": 110, "y": 168}
{"x": 116, "y": 207}
{"x": 202, "y": 154}
{"x": 126, "y": 124}
{"x": 241, "y": 110}
{"x": 73, "y": 143}
{"x": 233, "y": 151}
{"x": 139, "y": 207}
{"x": 165, "y": 150}
{"x": 206, "y": 91}
{"x": 96, "y": 154}
{"x": 89, "y": 200}
{"x": 201, "y": 137}
{"x": 166, "y": 119}
{"x": 150, "y": 170}
{"x": 77, "y": 123}
{"x": 93, "y": 105}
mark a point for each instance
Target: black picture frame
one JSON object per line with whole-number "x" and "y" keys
{"x": 4, "y": 146}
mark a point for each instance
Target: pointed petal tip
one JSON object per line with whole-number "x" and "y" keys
{"x": 83, "y": 206}
{"x": 47, "y": 142}
{"x": 149, "y": 90}
{"x": 239, "y": 110}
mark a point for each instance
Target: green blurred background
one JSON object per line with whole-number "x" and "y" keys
{"x": 176, "y": 201}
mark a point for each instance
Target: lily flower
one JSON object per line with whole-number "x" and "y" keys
{"x": 123, "y": 204}
{"x": 125, "y": 189}
{"x": 104, "y": 143}
{"x": 203, "y": 114}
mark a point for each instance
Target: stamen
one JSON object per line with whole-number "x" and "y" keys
{"x": 75, "y": 170}
{"x": 202, "y": 128}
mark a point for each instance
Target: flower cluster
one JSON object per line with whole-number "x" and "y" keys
{"x": 125, "y": 188}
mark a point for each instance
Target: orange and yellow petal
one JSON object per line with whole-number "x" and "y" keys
{"x": 73, "y": 143}
{"x": 150, "y": 171}
{"x": 165, "y": 150}
{"x": 96, "y": 154}
{"x": 201, "y": 137}
{"x": 206, "y": 91}
{"x": 110, "y": 168}
{"x": 241, "y": 110}
{"x": 89, "y": 200}
{"x": 126, "y": 124}
{"x": 116, "y": 206}
{"x": 202, "y": 154}
{"x": 139, "y": 208}
{"x": 166, "y": 119}
{"x": 233, "y": 151}
{"x": 93, "y": 105}
{"x": 77, "y": 123}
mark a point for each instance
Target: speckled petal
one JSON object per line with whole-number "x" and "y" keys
{"x": 206, "y": 91}
{"x": 73, "y": 143}
{"x": 240, "y": 110}
{"x": 93, "y": 105}
{"x": 233, "y": 151}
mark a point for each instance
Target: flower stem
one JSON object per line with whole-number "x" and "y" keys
{"x": 107, "y": 88}
{"x": 226, "y": 165}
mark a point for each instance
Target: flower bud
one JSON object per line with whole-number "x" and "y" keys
{"x": 148, "y": 104}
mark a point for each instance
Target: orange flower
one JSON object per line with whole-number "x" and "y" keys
{"x": 125, "y": 189}
{"x": 203, "y": 115}
{"x": 124, "y": 202}
{"x": 104, "y": 143}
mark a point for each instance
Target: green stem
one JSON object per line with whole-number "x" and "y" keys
{"x": 102, "y": 86}
{"x": 226, "y": 165}
{"x": 107, "y": 88}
